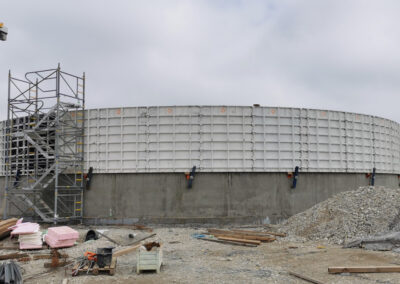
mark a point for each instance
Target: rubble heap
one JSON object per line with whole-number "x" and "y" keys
{"x": 357, "y": 213}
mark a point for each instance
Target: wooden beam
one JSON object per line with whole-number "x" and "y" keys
{"x": 305, "y": 278}
{"x": 13, "y": 256}
{"x": 264, "y": 238}
{"x": 239, "y": 240}
{"x": 246, "y": 237}
{"x": 259, "y": 233}
{"x": 133, "y": 246}
{"x": 363, "y": 269}
{"x": 226, "y": 242}
{"x": 126, "y": 250}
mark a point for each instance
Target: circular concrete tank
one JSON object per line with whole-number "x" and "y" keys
{"x": 244, "y": 157}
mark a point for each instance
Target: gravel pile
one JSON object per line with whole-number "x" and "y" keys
{"x": 359, "y": 213}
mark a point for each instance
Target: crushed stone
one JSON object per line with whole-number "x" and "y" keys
{"x": 352, "y": 214}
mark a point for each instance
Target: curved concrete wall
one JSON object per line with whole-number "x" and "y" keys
{"x": 215, "y": 197}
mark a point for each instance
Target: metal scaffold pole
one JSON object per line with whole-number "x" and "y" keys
{"x": 43, "y": 146}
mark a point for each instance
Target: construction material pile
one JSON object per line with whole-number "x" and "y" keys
{"x": 29, "y": 235}
{"x": 352, "y": 214}
{"x": 238, "y": 237}
{"x": 60, "y": 237}
{"x": 5, "y": 227}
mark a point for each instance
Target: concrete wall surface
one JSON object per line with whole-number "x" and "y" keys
{"x": 215, "y": 197}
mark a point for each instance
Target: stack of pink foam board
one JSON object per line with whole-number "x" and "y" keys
{"x": 59, "y": 237}
{"x": 25, "y": 228}
{"x": 29, "y": 234}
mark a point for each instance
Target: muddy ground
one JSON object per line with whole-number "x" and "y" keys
{"x": 189, "y": 260}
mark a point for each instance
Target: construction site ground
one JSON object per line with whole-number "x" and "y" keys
{"x": 189, "y": 260}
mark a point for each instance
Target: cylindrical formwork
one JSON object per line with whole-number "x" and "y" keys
{"x": 239, "y": 139}
{"x": 242, "y": 156}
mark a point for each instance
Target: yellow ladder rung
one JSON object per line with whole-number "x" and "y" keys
{"x": 31, "y": 180}
{"x": 78, "y": 179}
{"x": 79, "y": 113}
{"x": 78, "y": 202}
{"x": 31, "y": 153}
{"x": 77, "y": 209}
{"x": 79, "y": 143}
{"x": 79, "y": 150}
{"x": 78, "y": 173}
{"x": 79, "y": 120}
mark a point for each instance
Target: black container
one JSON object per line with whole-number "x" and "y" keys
{"x": 91, "y": 235}
{"x": 104, "y": 256}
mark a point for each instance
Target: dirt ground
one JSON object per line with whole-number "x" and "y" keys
{"x": 189, "y": 260}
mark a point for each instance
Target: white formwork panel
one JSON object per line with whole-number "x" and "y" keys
{"x": 324, "y": 140}
{"x": 383, "y": 145}
{"x": 226, "y": 138}
{"x": 395, "y": 145}
{"x": 229, "y": 138}
{"x": 2, "y": 148}
{"x": 276, "y": 138}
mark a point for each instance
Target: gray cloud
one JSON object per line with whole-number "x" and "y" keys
{"x": 340, "y": 55}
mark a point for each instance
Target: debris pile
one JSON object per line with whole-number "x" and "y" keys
{"x": 238, "y": 237}
{"x": 352, "y": 214}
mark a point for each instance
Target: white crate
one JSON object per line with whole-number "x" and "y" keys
{"x": 149, "y": 260}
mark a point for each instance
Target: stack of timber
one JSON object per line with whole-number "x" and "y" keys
{"x": 240, "y": 237}
{"x": 5, "y": 227}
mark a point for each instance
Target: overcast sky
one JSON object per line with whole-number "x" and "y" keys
{"x": 340, "y": 55}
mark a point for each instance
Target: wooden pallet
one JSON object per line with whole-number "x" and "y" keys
{"x": 96, "y": 270}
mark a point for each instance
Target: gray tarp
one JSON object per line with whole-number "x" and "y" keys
{"x": 390, "y": 241}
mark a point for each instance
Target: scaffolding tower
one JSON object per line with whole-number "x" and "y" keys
{"x": 43, "y": 148}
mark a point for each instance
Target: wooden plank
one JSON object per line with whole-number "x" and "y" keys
{"x": 246, "y": 237}
{"x": 133, "y": 246}
{"x": 264, "y": 238}
{"x": 13, "y": 256}
{"x": 126, "y": 250}
{"x": 9, "y": 247}
{"x": 60, "y": 264}
{"x": 363, "y": 269}
{"x": 227, "y": 242}
{"x": 306, "y": 278}
{"x": 258, "y": 233}
{"x": 48, "y": 256}
{"x": 240, "y": 240}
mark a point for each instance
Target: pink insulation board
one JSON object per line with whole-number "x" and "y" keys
{"x": 25, "y": 228}
{"x": 29, "y": 246}
{"x": 54, "y": 243}
{"x": 62, "y": 233}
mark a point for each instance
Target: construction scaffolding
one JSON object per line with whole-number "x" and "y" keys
{"x": 43, "y": 145}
